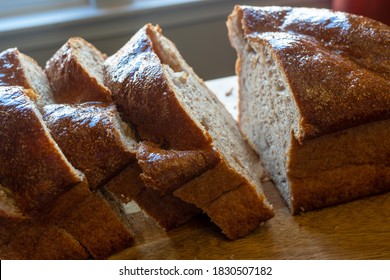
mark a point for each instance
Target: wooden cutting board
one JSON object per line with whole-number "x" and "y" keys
{"x": 356, "y": 230}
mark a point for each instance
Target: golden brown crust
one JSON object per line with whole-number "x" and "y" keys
{"x": 167, "y": 170}
{"x": 65, "y": 204}
{"x": 56, "y": 243}
{"x": 69, "y": 78}
{"x": 8, "y": 207}
{"x": 89, "y": 138}
{"x": 135, "y": 76}
{"x": 31, "y": 240}
{"x": 239, "y": 212}
{"x": 35, "y": 171}
{"x": 151, "y": 85}
{"x": 337, "y": 64}
{"x": 167, "y": 210}
{"x": 80, "y": 223}
{"x": 210, "y": 185}
{"x": 127, "y": 184}
{"x": 11, "y": 71}
{"x": 337, "y": 168}
{"x": 97, "y": 227}
{"x": 18, "y": 69}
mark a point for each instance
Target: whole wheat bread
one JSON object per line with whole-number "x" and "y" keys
{"x": 163, "y": 98}
{"x": 33, "y": 167}
{"x": 314, "y": 101}
{"x": 18, "y": 69}
{"x": 75, "y": 73}
{"x": 31, "y": 241}
{"x": 95, "y": 139}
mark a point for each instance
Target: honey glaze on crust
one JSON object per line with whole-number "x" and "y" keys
{"x": 336, "y": 61}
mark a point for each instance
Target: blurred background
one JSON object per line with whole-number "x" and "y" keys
{"x": 197, "y": 27}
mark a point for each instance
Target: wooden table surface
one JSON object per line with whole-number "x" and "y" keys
{"x": 356, "y": 230}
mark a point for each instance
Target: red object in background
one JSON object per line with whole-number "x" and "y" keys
{"x": 375, "y": 9}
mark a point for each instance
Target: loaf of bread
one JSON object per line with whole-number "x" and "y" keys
{"x": 40, "y": 188}
{"x": 75, "y": 73}
{"x": 314, "y": 101}
{"x": 166, "y": 101}
{"x": 95, "y": 139}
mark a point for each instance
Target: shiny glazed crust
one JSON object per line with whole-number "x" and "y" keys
{"x": 91, "y": 140}
{"x": 140, "y": 60}
{"x": 36, "y": 172}
{"x": 314, "y": 101}
{"x": 18, "y": 69}
{"x": 12, "y": 73}
{"x": 336, "y": 64}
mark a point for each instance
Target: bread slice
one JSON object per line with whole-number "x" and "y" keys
{"x": 75, "y": 73}
{"x": 29, "y": 241}
{"x": 18, "y": 69}
{"x": 93, "y": 138}
{"x": 167, "y": 170}
{"x": 96, "y": 141}
{"x": 99, "y": 224}
{"x": 160, "y": 94}
{"x": 81, "y": 224}
{"x": 167, "y": 210}
{"x": 314, "y": 101}
{"x": 40, "y": 237}
{"x": 33, "y": 168}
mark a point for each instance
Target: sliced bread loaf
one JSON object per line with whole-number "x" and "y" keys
{"x": 96, "y": 140}
{"x": 314, "y": 101}
{"x": 41, "y": 186}
{"x": 170, "y": 105}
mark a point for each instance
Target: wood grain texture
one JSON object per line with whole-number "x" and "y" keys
{"x": 356, "y": 230}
